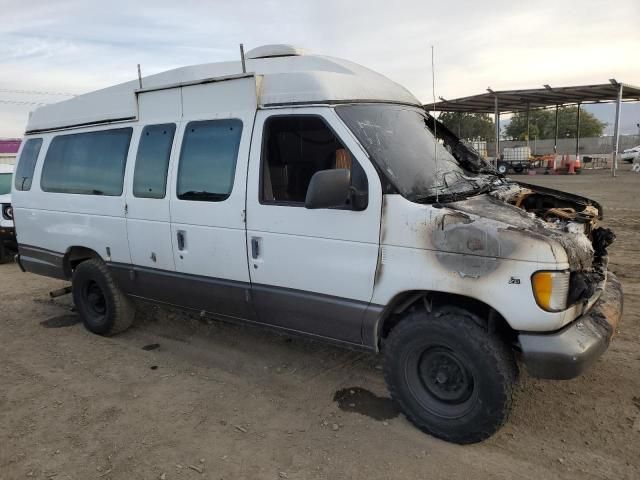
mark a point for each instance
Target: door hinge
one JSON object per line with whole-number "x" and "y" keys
{"x": 126, "y": 209}
{"x": 243, "y": 215}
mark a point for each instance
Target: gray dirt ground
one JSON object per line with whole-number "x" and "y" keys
{"x": 238, "y": 402}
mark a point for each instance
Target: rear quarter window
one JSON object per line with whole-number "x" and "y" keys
{"x": 90, "y": 163}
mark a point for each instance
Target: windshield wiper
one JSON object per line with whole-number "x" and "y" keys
{"x": 203, "y": 195}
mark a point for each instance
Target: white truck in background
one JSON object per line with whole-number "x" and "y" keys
{"x": 8, "y": 246}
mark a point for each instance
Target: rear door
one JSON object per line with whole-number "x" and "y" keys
{"x": 208, "y": 229}
{"x": 311, "y": 270}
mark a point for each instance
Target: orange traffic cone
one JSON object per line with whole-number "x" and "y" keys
{"x": 572, "y": 169}
{"x": 578, "y": 165}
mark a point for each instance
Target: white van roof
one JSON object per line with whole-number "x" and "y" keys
{"x": 287, "y": 75}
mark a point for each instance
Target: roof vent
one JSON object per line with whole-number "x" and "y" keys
{"x": 271, "y": 51}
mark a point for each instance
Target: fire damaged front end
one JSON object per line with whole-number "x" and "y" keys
{"x": 593, "y": 291}
{"x": 537, "y": 257}
{"x": 579, "y": 289}
{"x": 453, "y": 227}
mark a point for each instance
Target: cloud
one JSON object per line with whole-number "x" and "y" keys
{"x": 81, "y": 45}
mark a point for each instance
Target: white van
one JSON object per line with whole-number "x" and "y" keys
{"x": 309, "y": 195}
{"x": 7, "y": 235}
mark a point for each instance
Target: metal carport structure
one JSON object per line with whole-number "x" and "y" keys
{"x": 511, "y": 101}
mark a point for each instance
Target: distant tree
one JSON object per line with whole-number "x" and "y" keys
{"x": 469, "y": 126}
{"x": 542, "y": 124}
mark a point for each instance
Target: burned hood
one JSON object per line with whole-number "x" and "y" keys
{"x": 531, "y": 212}
{"x": 483, "y": 228}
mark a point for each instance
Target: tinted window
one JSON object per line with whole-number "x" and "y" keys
{"x": 208, "y": 160}
{"x": 152, "y": 161}
{"x": 5, "y": 183}
{"x": 88, "y": 163}
{"x": 294, "y": 149}
{"x": 27, "y": 163}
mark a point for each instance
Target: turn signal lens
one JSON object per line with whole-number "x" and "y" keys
{"x": 551, "y": 290}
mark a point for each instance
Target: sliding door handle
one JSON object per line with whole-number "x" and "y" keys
{"x": 182, "y": 239}
{"x": 255, "y": 247}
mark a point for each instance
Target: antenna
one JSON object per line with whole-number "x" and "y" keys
{"x": 244, "y": 67}
{"x": 139, "y": 77}
{"x": 435, "y": 124}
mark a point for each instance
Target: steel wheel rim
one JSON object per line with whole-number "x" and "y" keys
{"x": 94, "y": 299}
{"x": 440, "y": 382}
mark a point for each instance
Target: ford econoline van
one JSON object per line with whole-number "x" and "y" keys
{"x": 311, "y": 194}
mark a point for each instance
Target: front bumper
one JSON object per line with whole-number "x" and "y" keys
{"x": 568, "y": 352}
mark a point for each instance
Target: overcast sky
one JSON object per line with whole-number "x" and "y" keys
{"x": 75, "y": 46}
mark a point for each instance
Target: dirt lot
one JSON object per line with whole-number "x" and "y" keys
{"x": 180, "y": 398}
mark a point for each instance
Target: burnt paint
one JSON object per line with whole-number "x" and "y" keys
{"x": 464, "y": 247}
{"x": 362, "y": 401}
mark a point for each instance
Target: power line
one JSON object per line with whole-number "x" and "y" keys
{"x": 37, "y": 92}
{"x": 21, "y": 102}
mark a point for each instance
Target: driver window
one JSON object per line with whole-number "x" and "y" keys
{"x": 296, "y": 147}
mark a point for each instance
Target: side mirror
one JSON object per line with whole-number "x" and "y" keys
{"x": 329, "y": 189}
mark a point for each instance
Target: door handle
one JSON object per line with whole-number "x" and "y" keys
{"x": 255, "y": 247}
{"x": 182, "y": 237}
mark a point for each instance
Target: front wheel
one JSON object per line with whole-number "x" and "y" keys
{"x": 103, "y": 307}
{"x": 450, "y": 377}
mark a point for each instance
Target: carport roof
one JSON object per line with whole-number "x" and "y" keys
{"x": 521, "y": 100}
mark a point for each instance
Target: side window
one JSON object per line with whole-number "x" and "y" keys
{"x": 27, "y": 164}
{"x": 152, "y": 161}
{"x": 208, "y": 160}
{"x": 296, "y": 147}
{"x": 87, "y": 163}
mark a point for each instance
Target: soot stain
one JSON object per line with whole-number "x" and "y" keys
{"x": 60, "y": 321}
{"x": 151, "y": 346}
{"x": 359, "y": 400}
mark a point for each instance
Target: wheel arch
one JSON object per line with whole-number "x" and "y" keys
{"x": 482, "y": 313}
{"x": 76, "y": 255}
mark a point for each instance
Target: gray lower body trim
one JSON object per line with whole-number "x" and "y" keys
{"x": 333, "y": 318}
{"x": 308, "y": 313}
{"x": 41, "y": 261}
{"x": 322, "y": 315}
{"x": 568, "y": 352}
{"x": 214, "y": 295}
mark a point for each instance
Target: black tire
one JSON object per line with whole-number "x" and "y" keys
{"x": 519, "y": 168}
{"x": 503, "y": 168}
{"x": 449, "y": 376}
{"x": 103, "y": 307}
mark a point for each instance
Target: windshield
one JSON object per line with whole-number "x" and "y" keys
{"x": 5, "y": 183}
{"x": 398, "y": 140}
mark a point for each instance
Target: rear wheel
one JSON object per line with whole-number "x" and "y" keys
{"x": 450, "y": 377}
{"x": 503, "y": 168}
{"x": 103, "y": 307}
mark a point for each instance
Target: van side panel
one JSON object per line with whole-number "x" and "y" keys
{"x": 50, "y": 223}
